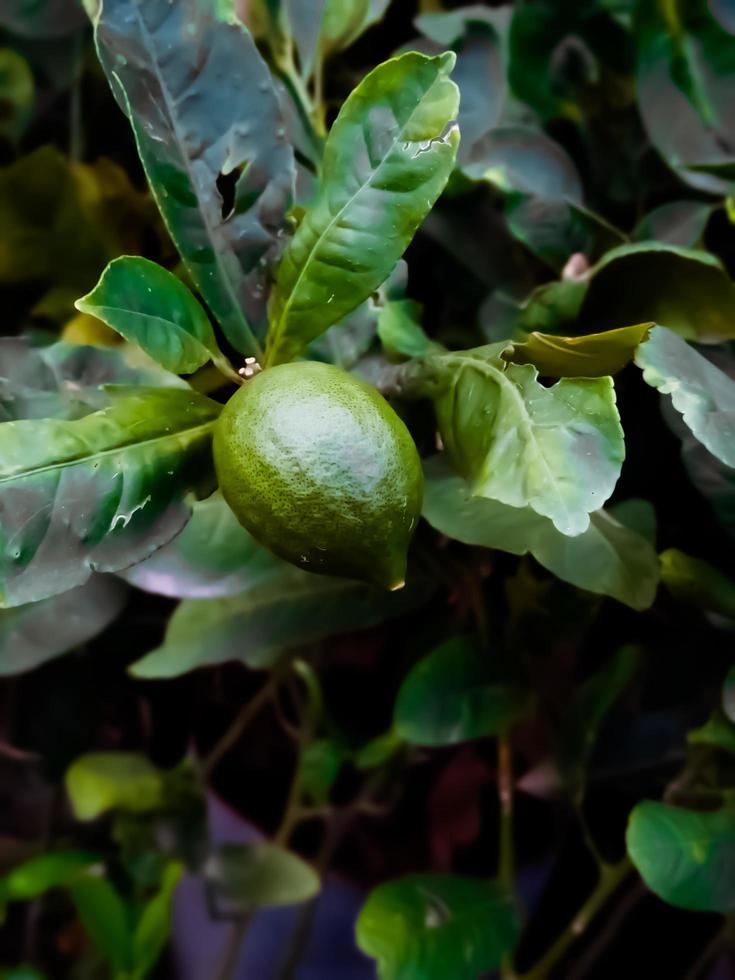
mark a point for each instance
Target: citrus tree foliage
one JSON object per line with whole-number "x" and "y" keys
{"x": 507, "y": 232}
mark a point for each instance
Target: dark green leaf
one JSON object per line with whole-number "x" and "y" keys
{"x": 41, "y": 18}
{"x": 154, "y": 926}
{"x": 321, "y": 763}
{"x": 687, "y": 858}
{"x": 213, "y": 556}
{"x": 188, "y": 135}
{"x": 608, "y": 558}
{"x": 252, "y": 876}
{"x": 728, "y": 695}
{"x": 400, "y": 331}
{"x": 281, "y": 609}
{"x": 704, "y": 395}
{"x": 696, "y": 582}
{"x": 387, "y": 159}
{"x": 39, "y": 631}
{"x": 149, "y": 306}
{"x": 103, "y": 781}
{"x": 105, "y": 918}
{"x": 101, "y": 492}
{"x": 557, "y": 450}
{"x": 717, "y": 732}
{"x": 54, "y": 870}
{"x": 589, "y": 356}
{"x": 450, "y": 697}
{"x": 676, "y": 223}
{"x": 432, "y": 927}
{"x": 16, "y": 94}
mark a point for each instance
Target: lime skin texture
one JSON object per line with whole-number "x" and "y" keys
{"x": 318, "y": 467}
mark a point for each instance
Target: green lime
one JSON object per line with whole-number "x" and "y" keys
{"x": 320, "y": 469}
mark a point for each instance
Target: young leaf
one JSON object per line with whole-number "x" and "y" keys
{"x": 608, "y": 558}
{"x": 703, "y": 394}
{"x": 210, "y": 113}
{"x": 432, "y": 927}
{"x": 40, "y": 874}
{"x": 154, "y": 926}
{"x": 281, "y": 609}
{"x": 214, "y": 556}
{"x": 105, "y": 918}
{"x": 103, "y": 781}
{"x": 252, "y": 876}
{"x": 449, "y": 697}
{"x": 150, "y": 307}
{"x": 388, "y": 156}
{"x": 557, "y": 450}
{"x": 39, "y": 631}
{"x": 590, "y": 356}
{"x": 686, "y": 857}
{"x": 101, "y": 492}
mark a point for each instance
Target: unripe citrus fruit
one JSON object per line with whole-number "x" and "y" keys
{"x": 320, "y": 469}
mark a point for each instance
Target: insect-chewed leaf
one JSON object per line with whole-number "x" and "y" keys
{"x": 39, "y": 631}
{"x": 607, "y": 558}
{"x": 557, "y": 450}
{"x": 434, "y": 927}
{"x": 686, "y": 857}
{"x": 388, "y": 156}
{"x": 209, "y": 113}
{"x": 704, "y": 395}
{"x": 149, "y": 306}
{"x": 101, "y": 492}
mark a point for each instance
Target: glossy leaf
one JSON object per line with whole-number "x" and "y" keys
{"x": 687, "y": 858}
{"x": 210, "y": 111}
{"x": 17, "y": 89}
{"x": 608, "y": 558}
{"x": 556, "y": 450}
{"x": 589, "y": 356}
{"x": 698, "y": 583}
{"x": 105, "y": 918}
{"x": 154, "y": 925}
{"x": 282, "y": 609}
{"x": 431, "y": 927}
{"x": 149, "y": 306}
{"x": 704, "y": 395}
{"x": 214, "y": 556}
{"x": 450, "y": 697}
{"x": 37, "y": 632}
{"x": 103, "y": 781}
{"x": 40, "y": 874}
{"x": 260, "y": 875}
{"x": 98, "y": 493}
{"x": 388, "y": 156}
{"x": 400, "y": 331}
{"x": 66, "y": 381}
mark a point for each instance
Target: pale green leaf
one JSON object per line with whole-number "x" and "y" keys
{"x": 260, "y": 875}
{"x": 102, "y": 781}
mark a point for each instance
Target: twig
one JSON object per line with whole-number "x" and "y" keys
{"x": 246, "y": 715}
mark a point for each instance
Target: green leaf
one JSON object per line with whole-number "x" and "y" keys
{"x": 388, "y": 156}
{"x": 675, "y": 223}
{"x": 260, "y": 875}
{"x": 558, "y": 450}
{"x": 687, "y": 858}
{"x": 592, "y": 702}
{"x": 697, "y": 583}
{"x": 41, "y": 19}
{"x": 101, "y": 492}
{"x": 214, "y": 556}
{"x": 728, "y": 695}
{"x": 149, "y": 306}
{"x": 321, "y": 764}
{"x": 717, "y": 732}
{"x": 154, "y": 926}
{"x": 704, "y": 395}
{"x": 608, "y": 558}
{"x": 282, "y": 609}
{"x": 188, "y": 134}
{"x": 590, "y": 356}
{"x": 64, "y": 380}
{"x": 400, "y": 331}
{"x": 40, "y": 874}
{"x": 106, "y": 919}
{"x": 432, "y": 927}
{"x": 102, "y": 781}
{"x": 17, "y": 90}
{"x": 37, "y": 632}
{"x": 379, "y": 750}
{"x": 450, "y": 697}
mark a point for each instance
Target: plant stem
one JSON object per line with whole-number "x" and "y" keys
{"x": 247, "y": 714}
{"x": 506, "y": 862}
{"x": 611, "y": 877}
{"x": 228, "y": 965}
